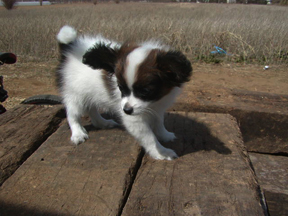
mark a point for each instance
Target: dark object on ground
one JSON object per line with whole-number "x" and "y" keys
{"x": 7, "y": 58}
{"x": 3, "y": 92}
{"x": 43, "y": 99}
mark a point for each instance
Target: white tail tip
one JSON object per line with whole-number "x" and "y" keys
{"x": 66, "y": 35}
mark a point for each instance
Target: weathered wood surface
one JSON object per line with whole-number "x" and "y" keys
{"x": 272, "y": 172}
{"x": 263, "y": 117}
{"x": 229, "y": 99}
{"x": 212, "y": 177}
{"x": 22, "y": 130}
{"x": 63, "y": 179}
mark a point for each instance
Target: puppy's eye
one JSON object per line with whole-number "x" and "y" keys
{"x": 144, "y": 93}
{"x": 125, "y": 91}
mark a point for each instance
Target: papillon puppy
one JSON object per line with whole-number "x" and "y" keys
{"x": 135, "y": 81}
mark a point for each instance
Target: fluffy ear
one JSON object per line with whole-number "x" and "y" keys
{"x": 101, "y": 56}
{"x": 174, "y": 66}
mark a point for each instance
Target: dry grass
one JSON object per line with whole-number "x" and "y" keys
{"x": 251, "y": 33}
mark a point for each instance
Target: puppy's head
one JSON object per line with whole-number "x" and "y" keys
{"x": 145, "y": 74}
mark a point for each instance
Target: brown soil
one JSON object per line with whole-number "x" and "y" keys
{"x": 23, "y": 80}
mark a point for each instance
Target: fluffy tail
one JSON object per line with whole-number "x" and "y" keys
{"x": 65, "y": 37}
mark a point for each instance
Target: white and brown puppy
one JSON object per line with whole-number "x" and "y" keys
{"x": 137, "y": 82}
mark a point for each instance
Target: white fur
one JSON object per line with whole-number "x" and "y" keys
{"x": 138, "y": 105}
{"x": 67, "y": 34}
{"x": 134, "y": 59}
{"x": 84, "y": 91}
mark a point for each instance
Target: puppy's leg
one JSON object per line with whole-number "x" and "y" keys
{"x": 79, "y": 134}
{"x": 141, "y": 130}
{"x": 160, "y": 130}
{"x": 98, "y": 121}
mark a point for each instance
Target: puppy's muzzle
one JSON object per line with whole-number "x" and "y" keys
{"x": 128, "y": 109}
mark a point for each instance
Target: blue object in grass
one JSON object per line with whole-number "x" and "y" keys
{"x": 219, "y": 51}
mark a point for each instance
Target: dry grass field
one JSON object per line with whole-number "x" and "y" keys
{"x": 250, "y": 33}
{"x": 253, "y": 35}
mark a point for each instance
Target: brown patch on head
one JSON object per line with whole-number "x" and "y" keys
{"x": 148, "y": 68}
{"x": 122, "y": 61}
{"x": 156, "y": 76}
{"x": 159, "y": 73}
{"x": 149, "y": 84}
{"x": 123, "y": 52}
{"x": 126, "y": 48}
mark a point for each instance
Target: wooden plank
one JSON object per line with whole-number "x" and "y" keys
{"x": 22, "y": 130}
{"x": 263, "y": 117}
{"x": 212, "y": 177}
{"x": 272, "y": 172}
{"x": 62, "y": 179}
{"x": 230, "y": 99}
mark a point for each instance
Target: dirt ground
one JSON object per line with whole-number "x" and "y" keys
{"x": 23, "y": 80}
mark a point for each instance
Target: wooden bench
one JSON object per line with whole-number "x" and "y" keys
{"x": 110, "y": 175}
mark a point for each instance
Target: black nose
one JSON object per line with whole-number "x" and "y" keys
{"x": 128, "y": 109}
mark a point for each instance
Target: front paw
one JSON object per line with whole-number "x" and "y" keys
{"x": 167, "y": 137}
{"x": 163, "y": 154}
{"x": 79, "y": 137}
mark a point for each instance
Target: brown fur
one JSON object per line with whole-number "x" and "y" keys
{"x": 149, "y": 76}
{"x": 124, "y": 51}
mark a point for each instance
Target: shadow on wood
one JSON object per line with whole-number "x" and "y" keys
{"x": 212, "y": 176}
{"x": 194, "y": 135}
{"x": 198, "y": 136}
{"x": 24, "y": 210}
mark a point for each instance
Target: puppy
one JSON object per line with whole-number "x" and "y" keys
{"x": 137, "y": 82}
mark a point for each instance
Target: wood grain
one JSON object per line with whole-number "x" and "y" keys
{"x": 22, "y": 130}
{"x": 212, "y": 177}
